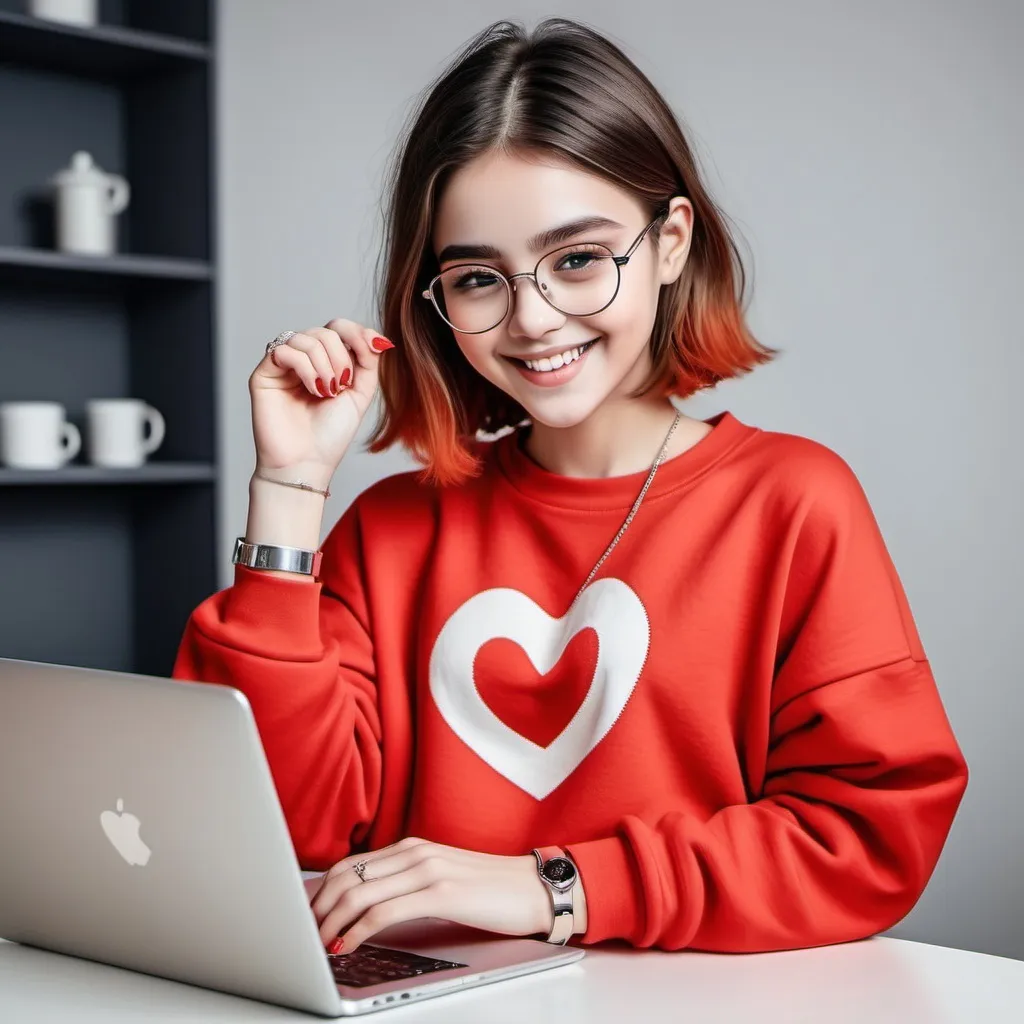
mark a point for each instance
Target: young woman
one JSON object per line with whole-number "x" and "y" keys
{"x": 599, "y": 670}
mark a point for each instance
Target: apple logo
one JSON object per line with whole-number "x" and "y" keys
{"x": 123, "y": 832}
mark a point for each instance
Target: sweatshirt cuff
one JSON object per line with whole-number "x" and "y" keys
{"x": 611, "y": 884}
{"x": 281, "y": 615}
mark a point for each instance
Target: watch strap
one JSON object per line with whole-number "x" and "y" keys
{"x": 275, "y": 556}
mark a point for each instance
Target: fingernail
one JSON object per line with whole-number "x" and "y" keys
{"x": 321, "y": 387}
{"x": 346, "y": 376}
{"x": 336, "y": 946}
{"x": 334, "y": 386}
{"x": 380, "y": 344}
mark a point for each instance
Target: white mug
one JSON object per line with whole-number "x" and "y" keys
{"x": 37, "y": 435}
{"x": 71, "y": 12}
{"x": 116, "y": 431}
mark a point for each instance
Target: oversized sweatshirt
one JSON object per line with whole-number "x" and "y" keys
{"x": 735, "y": 731}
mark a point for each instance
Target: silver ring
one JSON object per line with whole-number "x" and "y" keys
{"x": 280, "y": 340}
{"x": 359, "y": 867}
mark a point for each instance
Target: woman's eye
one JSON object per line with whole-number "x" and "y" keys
{"x": 477, "y": 279}
{"x": 577, "y": 261}
{"x": 580, "y": 259}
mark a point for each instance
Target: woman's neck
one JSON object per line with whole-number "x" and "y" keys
{"x": 615, "y": 440}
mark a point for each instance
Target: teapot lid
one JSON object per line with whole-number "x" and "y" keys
{"x": 82, "y": 171}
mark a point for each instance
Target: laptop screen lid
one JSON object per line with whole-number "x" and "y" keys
{"x": 141, "y": 828}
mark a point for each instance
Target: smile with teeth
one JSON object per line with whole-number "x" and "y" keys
{"x": 558, "y": 360}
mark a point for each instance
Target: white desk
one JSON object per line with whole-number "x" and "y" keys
{"x": 876, "y": 981}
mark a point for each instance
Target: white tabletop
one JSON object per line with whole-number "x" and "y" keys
{"x": 877, "y": 980}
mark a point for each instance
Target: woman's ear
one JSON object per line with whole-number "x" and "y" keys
{"x": 674, "y": 239}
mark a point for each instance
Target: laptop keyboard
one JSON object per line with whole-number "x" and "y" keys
{"x": 372, "y": 965}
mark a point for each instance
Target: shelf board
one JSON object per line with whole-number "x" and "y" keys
{"x": 151, "y": 473}
{"x": 19, "y": 263}
{"x": 103, "y": 51}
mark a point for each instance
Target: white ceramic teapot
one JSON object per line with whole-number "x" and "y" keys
{"x": 87, "y": 201}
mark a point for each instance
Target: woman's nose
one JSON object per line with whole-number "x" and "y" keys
{"x": 531, "y": 311}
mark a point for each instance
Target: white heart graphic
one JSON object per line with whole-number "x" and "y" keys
{"x": 623, "y": 636}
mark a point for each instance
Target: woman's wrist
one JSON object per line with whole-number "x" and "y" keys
{"x": 298, "y": 485}
{"x": 540, "y": 897}
{"x": 283, "y": 515}
{"x": 312, "y": 475}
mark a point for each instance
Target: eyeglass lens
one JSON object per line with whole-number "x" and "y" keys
{"x": 577, "y": 280}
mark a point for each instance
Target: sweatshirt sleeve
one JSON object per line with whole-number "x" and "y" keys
{"x": 301, "y": 653}
{"x": 862, "y": 774}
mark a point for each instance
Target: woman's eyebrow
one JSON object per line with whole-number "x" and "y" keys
{"x": 545, "y": 240}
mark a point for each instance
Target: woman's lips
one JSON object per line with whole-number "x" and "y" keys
{"x": 553, "y": 378}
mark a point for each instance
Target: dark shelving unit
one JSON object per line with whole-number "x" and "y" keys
{"x": 101, "y": 567}
{"x": 116, "y": 273}
{"x": 105, "y": 50}
{"x": 152, "y": 473}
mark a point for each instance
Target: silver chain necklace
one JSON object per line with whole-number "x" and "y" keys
{"x": 632, "y": 511}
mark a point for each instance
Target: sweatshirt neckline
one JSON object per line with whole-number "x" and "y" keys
{"x": 597, "y": 493}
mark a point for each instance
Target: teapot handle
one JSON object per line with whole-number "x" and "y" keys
{"x": 119, "y": 194}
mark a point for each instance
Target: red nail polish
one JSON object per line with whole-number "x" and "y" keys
{"x": 380, "y": 344}
{"x": 346, "y": 376}
{"x": 321, "y": 387}
{"x": 334, "y": 386}
{"x": 336, "y": 946}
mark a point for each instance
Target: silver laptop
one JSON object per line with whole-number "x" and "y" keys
{"x": 141, "y": 828}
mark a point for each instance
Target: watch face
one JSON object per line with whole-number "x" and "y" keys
{"x": 559, "y": 870}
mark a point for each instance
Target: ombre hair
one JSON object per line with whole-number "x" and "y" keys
{"x": 561, "y": 91}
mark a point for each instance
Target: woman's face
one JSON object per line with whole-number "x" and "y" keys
{"x": 502, "y": 201}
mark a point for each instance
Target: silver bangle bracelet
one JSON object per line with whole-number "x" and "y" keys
{"x": 274, "y": 556}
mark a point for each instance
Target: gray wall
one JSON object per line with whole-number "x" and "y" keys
{"x": 870, "y": 155}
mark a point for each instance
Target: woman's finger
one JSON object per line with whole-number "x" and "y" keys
{"x": 287, "y": 357}
{"x": 314, "y": 349}
{"x": 332, "y": 892}
{"x": 359, "y": 339}
{"x": 410, "y": 906}
{"x": 341, "y": 358}
{"x": 358, "y": 898}
{"x": 344, "y": 867}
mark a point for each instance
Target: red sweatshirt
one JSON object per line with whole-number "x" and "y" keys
{"x": 736, "y": 732}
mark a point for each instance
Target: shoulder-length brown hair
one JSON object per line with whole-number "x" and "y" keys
{"x": 566, "y": 91}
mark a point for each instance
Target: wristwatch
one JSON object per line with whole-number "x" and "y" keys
{"x": 558, "y": 873}
{"x": 272, "y": 556}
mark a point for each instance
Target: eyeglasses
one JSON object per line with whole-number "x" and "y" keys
{"x": 577, "y": 280}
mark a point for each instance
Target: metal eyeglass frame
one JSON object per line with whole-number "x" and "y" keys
{"x": 619, "y": 261}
